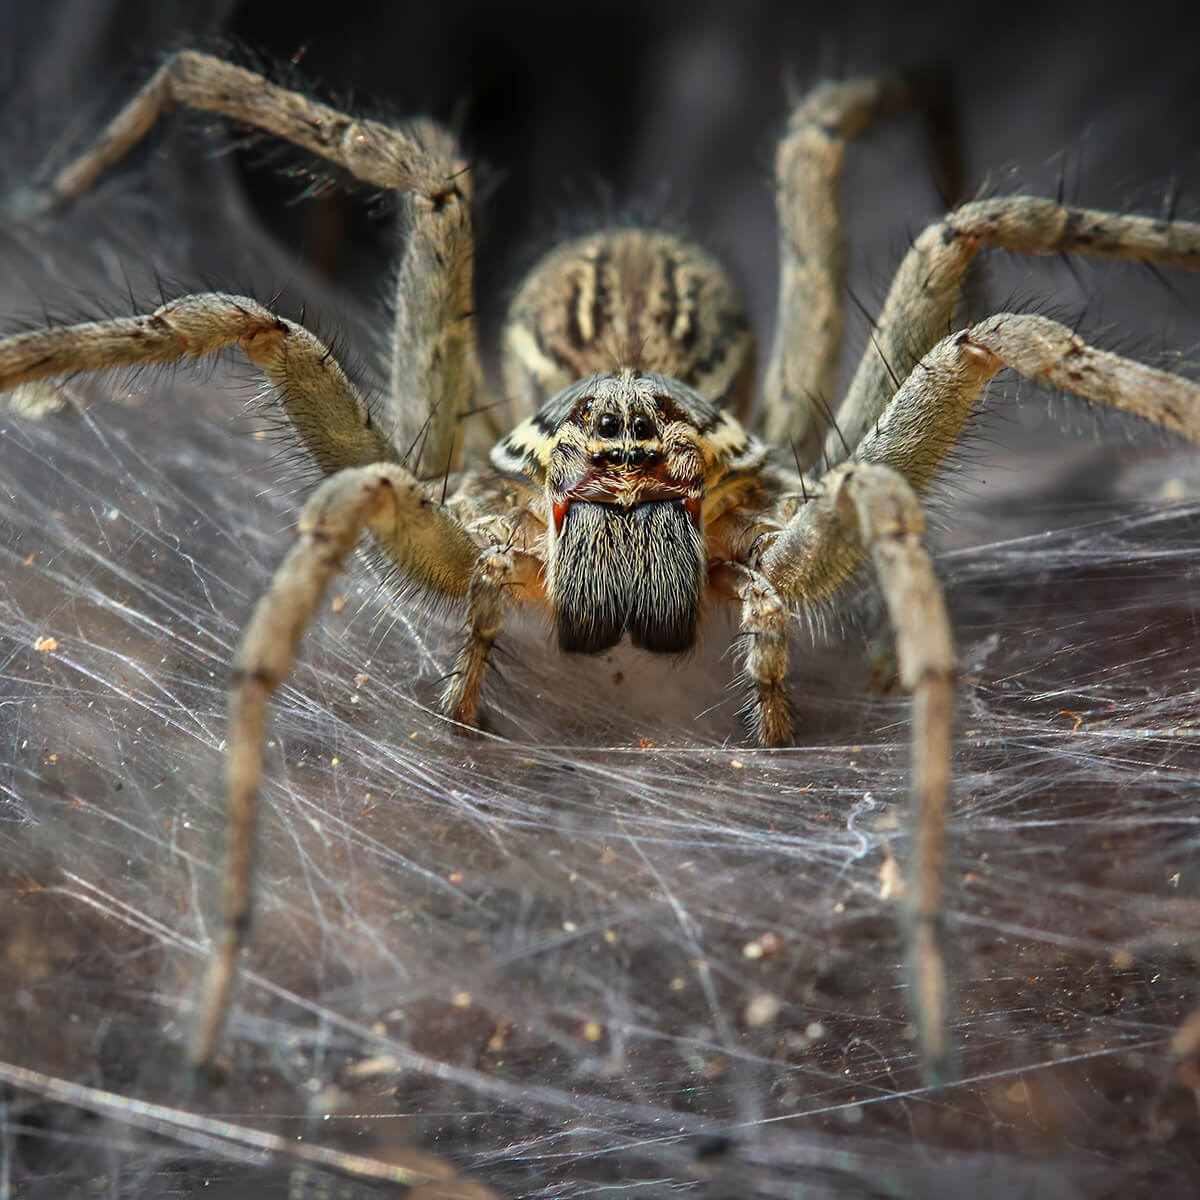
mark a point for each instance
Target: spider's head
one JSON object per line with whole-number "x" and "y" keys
{"x": 626, "y": 461}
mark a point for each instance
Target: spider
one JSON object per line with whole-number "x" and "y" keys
{"x": 631, "y": 496}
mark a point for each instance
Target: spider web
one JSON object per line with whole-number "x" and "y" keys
{"x": 605, "y": 947}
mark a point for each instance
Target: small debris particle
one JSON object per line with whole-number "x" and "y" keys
{"x": 645, "y": 744}
{"x": 29, "y": 561}
{"x": 770, "y": 942}
{"x": 592, "y": 1031}
{"x": 766, "y": 945}
{"x": 455, "y": 877}
{"x": 814, "y": 1031}
{"x": 1122, "y": 960}
{"x": 45, "y": 645}
{"x": 569, "y": 927}
{"x": 333, "y": 762}
{"x": 610, "y": 937}
{"x": 461, "y": 999}
{"x": 618, "y": 677}
{"x": 382, "y": 1064}
{"x": 677, "y": 984}
{"x": 891, "y": 878}
{"x": 337, "y": 603}
{"x": 360, "y": 679}
{"x": 736, "y": 764}
{"x": 761, "y": 1009}
{"x": 1066, "y": 712}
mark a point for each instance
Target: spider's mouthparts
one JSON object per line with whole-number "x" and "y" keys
{"x": 639, "y": 570}
{"x": 626, "y": 501}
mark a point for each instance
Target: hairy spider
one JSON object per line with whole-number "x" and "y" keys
{"x": 630, "y": 498}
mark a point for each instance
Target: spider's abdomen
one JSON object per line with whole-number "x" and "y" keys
{"x": 628, "y": 298}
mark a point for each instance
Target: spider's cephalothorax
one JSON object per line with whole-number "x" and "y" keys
{"x": 637, "y": 339}
{"x": 629, "y": 482}
{"x": 631, "y": 342}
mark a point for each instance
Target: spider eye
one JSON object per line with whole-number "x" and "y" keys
{"x": 607, "y": 425}
{"x": 643, "y": 427}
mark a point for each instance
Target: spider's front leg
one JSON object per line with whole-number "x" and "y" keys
{"x": 432, "y": 548}
{"x": 868, "y": 511}
{"x": 866, "y": 508}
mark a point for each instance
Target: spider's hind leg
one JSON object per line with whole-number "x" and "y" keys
{"x": 435, "y": 369}
{"x": 801, "y": 374}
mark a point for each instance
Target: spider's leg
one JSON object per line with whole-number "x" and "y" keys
{"x": 921, "y": 302}
{"x": 331, "y": 418}
{"x": 436, "y": 378}
{"x": 866, "y": 510}
{"x": 492, "y": 577}
{"x": 367, "y": 490}
{"x": 425, "y": 540}
{"x": 926, "y": 416}
{"x": 371, "y": 151}
{"x": 435, "y": 362}
{"x": 764, "y": 627}
{"x": 809, "y": 163}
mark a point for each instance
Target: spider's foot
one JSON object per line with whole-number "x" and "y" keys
{"x": 461, "y": 700}
{"x": 769, "y": 716}
{"x": 37, "y": 399}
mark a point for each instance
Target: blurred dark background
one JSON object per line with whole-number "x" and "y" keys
{"x": 570, "y": 113}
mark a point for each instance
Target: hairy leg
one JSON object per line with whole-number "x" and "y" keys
{"x": 764, "y": 622}
{"x": 331, "y": 418}
{"x": 923, "y": 297}
{"x": 435, "y": 374}
{"x": 492, "y": 577}
{"x": 809, "y": 163}
{"x": 389, "y": 502}
{"x": 927, "y": 414}
{"x": 369, "y": 150}
{"x": 866, "y": 509}
{"x": 872, "y": 509}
